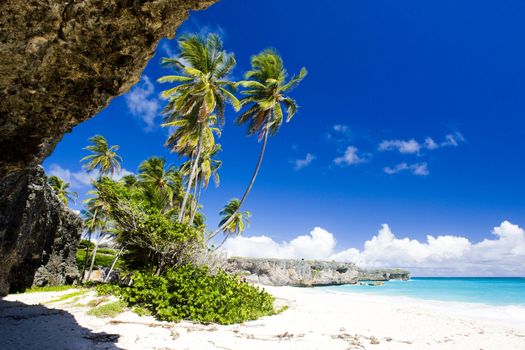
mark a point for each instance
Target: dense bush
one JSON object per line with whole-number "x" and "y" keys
{"x": 193, "y": 293}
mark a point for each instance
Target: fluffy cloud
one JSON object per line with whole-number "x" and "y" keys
{"x": 80, "y": 179}
{"x": 301, "y": 163}
{"x": 414, "y": 147}
{"x": 410, "y": 146}
{"x": 319, "y": 244}
{"x": 420, "y": 169}
{"x": 350, "y": 157}
{"x": 142, "y": 102}
{"x": 442, "y": 255}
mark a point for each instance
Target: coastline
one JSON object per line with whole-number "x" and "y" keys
{"x": 316, "y": 319}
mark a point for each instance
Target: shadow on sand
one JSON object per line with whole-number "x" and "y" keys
{"x": 25, "y": 326}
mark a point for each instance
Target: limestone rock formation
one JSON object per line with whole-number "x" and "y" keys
{"x": 61, "y": 62}
{"x": 305, "y": 273}
{"x": 38, "y": 234}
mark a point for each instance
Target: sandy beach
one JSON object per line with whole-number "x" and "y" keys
{"x": 315, "y": 319}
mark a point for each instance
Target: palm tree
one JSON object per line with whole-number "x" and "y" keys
{"x": 202, "y": 69}
{"x": 103, "y": 156}
{"x": 61, "y": 189}
{"x": 233, "y": 221}
{"x": 265, "y": 95}
{"x": 95, "y": 223}
{"x": 164, "y": 181}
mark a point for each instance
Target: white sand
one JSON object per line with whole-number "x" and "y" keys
{"x": 316, "y": 319}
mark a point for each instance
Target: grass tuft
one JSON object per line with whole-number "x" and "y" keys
{"x": 108, "y": 310}
{"x": 48, "y": 289}
{"x": 68, "y": 296}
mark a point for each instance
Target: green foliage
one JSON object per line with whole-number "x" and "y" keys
{"x": 152, "y": 235}
{"x": 61, "y": 189}
{"x": 107, "y": 289}
{"x": 192, "y": 293}
{"x": 83, "y": 243}
{"x": 108, "y": 310}
{"x": 104, "y": 258}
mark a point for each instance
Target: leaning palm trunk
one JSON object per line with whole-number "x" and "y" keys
{"x": 192, "y": 176}
{"x": 114, "y": 262}
{"x": 94, "y": 255}
{"x": 254, "y": 176}
{"x": 223, "y": 241}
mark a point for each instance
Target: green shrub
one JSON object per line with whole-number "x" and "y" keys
{"x": 191, "y": 293}
{"x": 107, "y": 289}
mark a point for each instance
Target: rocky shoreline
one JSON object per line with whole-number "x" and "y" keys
{"x": 306, "y": 273}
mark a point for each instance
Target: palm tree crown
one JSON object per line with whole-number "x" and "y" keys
{"x": 237, "y": 225}
{"x": 197, "y": 103}
{"x": 266, "y": 87}
{"x": 102, "y": 156}
{"x": 61, "y": 189}
{"x": 163, "y": 180}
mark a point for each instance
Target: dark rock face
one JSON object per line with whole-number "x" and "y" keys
{"x": 38, "y": 234}
{"x": 306, "y": 273}
{"x": 61, "y": 62}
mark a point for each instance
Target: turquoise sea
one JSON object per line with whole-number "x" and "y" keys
{"x": 498, "y": 291}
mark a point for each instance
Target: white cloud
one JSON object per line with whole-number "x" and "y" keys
{"x": 453, "y": 140}
{"x": 438, "y": 255}
{"x": 430, "y": 143}
{"x": 341, "y": 128}
{"x": 142, "y": 103}
{"x": 81, "y": 179}
{"x": 350, "y": 157}
{"x": 409, "y": 146}
{"x": 167, "y": 49}
{"x": 420, "y": 169}
{"x": 414, "y": 147}
{"x": 302, "y": 163}
{"x": 319, "y": 244}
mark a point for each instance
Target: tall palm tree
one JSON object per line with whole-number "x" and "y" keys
{"x": 233, "y": 221}
{"x": 163, "y": 180}
{"x": 202, "y": 68}
{"x": 265, "y": 94}
{"x": 103, "y": 156}
{"x": 94, "y": 222}
{"x": 61, "y": 189}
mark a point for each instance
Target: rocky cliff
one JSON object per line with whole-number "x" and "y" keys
{"x": 306, "y": 273}
{"x": 61, "y": 62}
{"x": 38, "y": 234}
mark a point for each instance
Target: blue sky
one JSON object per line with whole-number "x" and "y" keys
{"x": 411, "y": 115}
